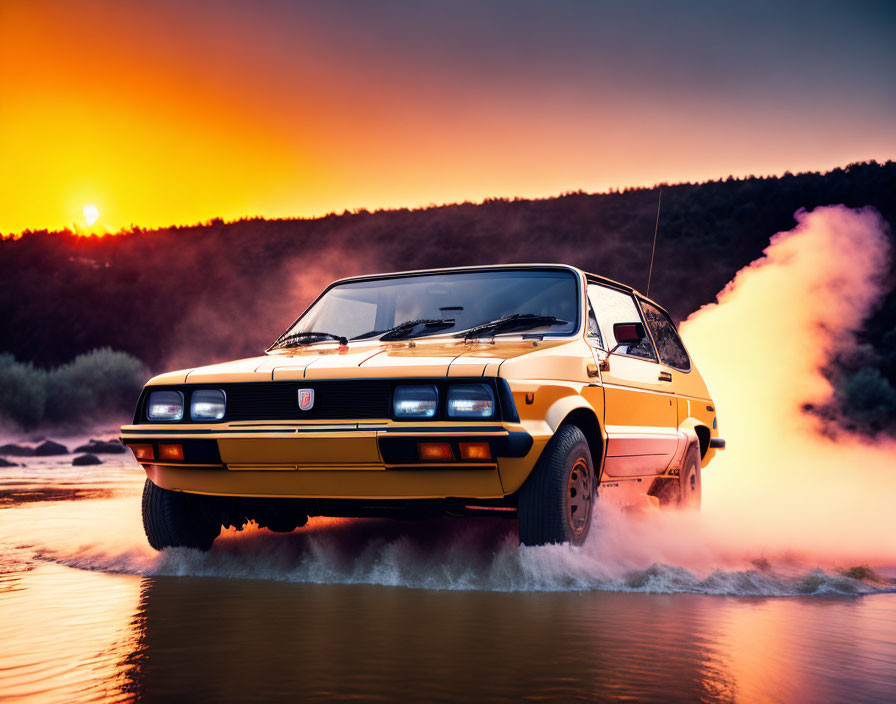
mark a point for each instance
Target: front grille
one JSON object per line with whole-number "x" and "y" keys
{"x": 334, "y": 399}
{"x": 278, "y": 400}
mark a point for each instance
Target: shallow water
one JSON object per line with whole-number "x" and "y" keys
{"x": 440, "y": 611}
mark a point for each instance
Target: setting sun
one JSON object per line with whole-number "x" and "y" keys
{"x": 91, "y": 214}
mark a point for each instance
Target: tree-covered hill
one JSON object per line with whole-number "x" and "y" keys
{"x": 182, "y": 296}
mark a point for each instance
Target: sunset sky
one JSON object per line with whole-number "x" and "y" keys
{"x": 172, "y": 112}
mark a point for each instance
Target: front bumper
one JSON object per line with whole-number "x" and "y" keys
{"x": 358, "y": 460}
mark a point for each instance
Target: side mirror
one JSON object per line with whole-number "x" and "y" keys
{"x": 625, "y": 334}
{"x": 628, "y": 333}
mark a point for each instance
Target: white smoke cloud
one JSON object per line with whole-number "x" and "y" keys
{"x": 782, "y": 485}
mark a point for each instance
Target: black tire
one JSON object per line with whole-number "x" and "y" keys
{"x": 687, "y": 491}
{"x": 557, "y": 499}
{"x": 286, "y": 524}
{"x": 174, "y": 519}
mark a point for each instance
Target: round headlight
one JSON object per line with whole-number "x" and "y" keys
{"x": 165, "y": 405}
{"x": 415, "y": 401}
{"x": 207, "y": 404}
{"x": 471, "y": 401}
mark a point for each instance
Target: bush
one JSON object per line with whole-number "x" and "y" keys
{"x": 23, "y": 391}
{"x": 97, "y": 384}
{"x": 868, "y": 397}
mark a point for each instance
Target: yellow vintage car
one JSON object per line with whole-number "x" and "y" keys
{"x": 523, "y": 391}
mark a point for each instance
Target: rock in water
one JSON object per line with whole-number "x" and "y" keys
{"x": 7, "y": 463}
{"x": 48, "y": 448}
{"x": 16, "y": 450}
{"x": 102, "y": 447}
{"x": 86, "y": 459}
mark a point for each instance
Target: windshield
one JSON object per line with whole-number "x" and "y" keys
{"x": 444, "y": 304}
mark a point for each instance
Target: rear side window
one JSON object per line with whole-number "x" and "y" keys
{"x": 593, "y": 328}
{"x": 668, "y": 344}
{"x": 612, "y": 306}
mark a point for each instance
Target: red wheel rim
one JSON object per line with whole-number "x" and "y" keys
{"x": 579, "y": 497}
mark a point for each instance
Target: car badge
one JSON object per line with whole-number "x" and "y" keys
{"x": 306, "y": 399}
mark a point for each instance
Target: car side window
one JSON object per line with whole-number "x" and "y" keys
{"x": 593, "y": 328}
{"x": 668, "y": 344}
{"x": 612, "y": 306}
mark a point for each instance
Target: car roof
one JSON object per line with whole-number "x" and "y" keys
{"x": 594, "y": 278}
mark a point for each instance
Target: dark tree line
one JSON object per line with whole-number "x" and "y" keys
{"x": 182, "y": 296}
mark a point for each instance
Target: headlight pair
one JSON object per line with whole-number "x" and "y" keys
{"x": 463, "y": 401}
{"x": 205, "y": 404}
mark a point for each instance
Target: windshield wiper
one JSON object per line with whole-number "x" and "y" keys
{"x": 306, "y": 337}
{"x": 511, "y": 323}
{"x": 403, "y": 330}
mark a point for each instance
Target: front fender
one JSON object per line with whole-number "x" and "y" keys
{"x": 687, "y": 436}
{"x": 562, "y": 407}
{"x": 689, "y": 426}
{"x": 553, "y": 404}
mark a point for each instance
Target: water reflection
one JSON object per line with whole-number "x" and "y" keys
{"x": 234, "y": 640}
{"x": 72, "y": 635}
{"x": 811, "y": 649}
{"x": 63, "y": 634}
{"x": 14, "y": 497}
{"x": 246, "y": 640}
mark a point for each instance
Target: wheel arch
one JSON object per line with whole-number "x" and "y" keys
{"x": 694, "y": 427}
{"x": 703, "y": 435}
{"x": 574, "y": 410}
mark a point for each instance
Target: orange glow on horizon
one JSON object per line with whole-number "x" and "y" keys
{"x": 176, "y": 115}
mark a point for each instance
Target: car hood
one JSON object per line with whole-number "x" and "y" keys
{"x": 368, "y": 361}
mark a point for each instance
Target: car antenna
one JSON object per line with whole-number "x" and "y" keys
{"x": 655, "y": 230}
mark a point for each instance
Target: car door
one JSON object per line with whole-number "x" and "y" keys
{"x": 640, "y": 412}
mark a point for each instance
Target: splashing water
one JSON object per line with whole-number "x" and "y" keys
{"x": 645, "y": 553}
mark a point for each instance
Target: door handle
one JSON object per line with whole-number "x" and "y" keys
{"x": 665, "y": 376}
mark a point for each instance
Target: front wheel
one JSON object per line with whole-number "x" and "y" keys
{"x": 174, "y": 519}
{"x": 556, "y": 501}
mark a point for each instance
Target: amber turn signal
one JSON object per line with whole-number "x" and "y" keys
{"x": 171, "y": 452}
{"x": 435, "y": 451}
{"x": 475, "y": 451}
{"x": 142, "y": 452}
